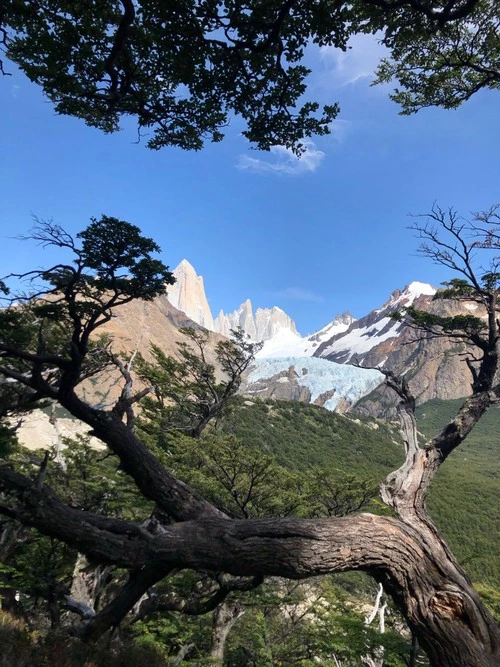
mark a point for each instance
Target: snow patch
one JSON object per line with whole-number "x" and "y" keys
{"x": 288, "y": 343}
{"x": 360, "y": 341}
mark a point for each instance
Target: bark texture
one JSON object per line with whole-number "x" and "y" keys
{"x": 225, "y": 617}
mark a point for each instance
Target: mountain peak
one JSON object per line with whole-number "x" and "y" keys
{"x": 407, "y": 295}
{"x": 188, "y": 295}
{"x": 184, "y": 265}
{"x": 343, "y": 318}
{"x": 411, "y": 292}
{"x": 417, "y": 287}
{"x": 260, "y": 326}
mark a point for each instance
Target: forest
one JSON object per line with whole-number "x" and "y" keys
{"x": 206, "y": 527}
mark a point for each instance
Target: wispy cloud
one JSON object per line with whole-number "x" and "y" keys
{"x": 340, "y": 129}
{"x": 283, "y": 161}
{"x": 358, "y": 62}
{"x": 297, "y": 294}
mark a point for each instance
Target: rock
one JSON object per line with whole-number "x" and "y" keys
{"x": 188, "y": 295}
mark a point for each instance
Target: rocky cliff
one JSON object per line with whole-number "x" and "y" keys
{"x": 135, "y": 326}
{"x": 188, "y": 295}
{"x": 261, "y": 326}
{"x": 434, "y": 366}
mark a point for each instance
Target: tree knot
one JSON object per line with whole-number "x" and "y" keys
{"x": 447, "y": 604}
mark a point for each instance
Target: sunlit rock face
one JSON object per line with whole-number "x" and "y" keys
{"x": 260, "y": 326}
{"x": 188, "y": 295}
{"x": 433, "y": 366}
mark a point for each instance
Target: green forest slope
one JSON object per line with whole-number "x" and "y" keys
{"x": 464, "y": 500}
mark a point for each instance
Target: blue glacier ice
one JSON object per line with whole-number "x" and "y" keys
{"x": 349, "y": 382}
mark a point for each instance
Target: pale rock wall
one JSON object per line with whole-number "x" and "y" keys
{"x": 188, "y": 295}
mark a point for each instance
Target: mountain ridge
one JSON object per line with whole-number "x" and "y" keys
{"x": 433, "y": 366}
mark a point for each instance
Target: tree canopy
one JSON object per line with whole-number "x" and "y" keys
{"x": 184, "y": 69}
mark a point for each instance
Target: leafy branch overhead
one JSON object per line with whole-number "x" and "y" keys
{"x": 461, "y": 58}
{"x": 184, "y": 69}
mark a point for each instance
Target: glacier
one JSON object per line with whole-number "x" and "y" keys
{"x": 321, "y": 376}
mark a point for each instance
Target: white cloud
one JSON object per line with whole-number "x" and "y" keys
{"x": 340, "y": 129}
{"x": 284, "y": 161}
{"x": 298, "y": 294}
{"x": 358, "y": 62}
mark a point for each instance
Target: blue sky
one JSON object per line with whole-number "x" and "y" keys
{"x": 315, "y": 237}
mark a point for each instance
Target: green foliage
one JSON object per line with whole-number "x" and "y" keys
{"x": 491, "y": 597}
{"x": 248, "y": 476}
{"x": 468, "y": 484}
{"x": 54, "y": 325}
{"x": 40, "y": 568}
{"x": 446, "y": 68}
{"x": 121, "y": 259}
{"x": 114, "y": 259}
{"x": 22, "y": 325}
{"x": 40, "y": 571}
{"x": 233, "y": 471}
{"x": 468, "y": 324}
{"x": 188, "y": 395}
{"x": 453, "y": 289}
{"x": 24, "y": 647}
{"x": 94, "y": 482}
{"x": 168, "y": 632}
{"x": 183, "y": 69}
{"x": 491, "y": 281}
{"x": 459, "y": 288}
{"x": 304, "y": 436}
{"x": 8, "y": 441}
{"x": 310, "y": 624}
{"x": 241, "y": 480}
{"x": 337, "y": 494}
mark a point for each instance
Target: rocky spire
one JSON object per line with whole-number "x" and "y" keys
{"x": 188, "y": 295}
{"x": 261, "y": 326}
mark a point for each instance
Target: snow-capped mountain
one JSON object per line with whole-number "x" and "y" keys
{"x": 374, "y": 341}
{"x": 261, "y": 326}
{"x": 370, "y": 332}
{"x": 288, "y": 343}
{"x": 433, "y": 366}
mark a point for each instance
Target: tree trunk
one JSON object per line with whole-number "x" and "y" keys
{"x": 446, "y": 615}
{"x": 225, "y": 616}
